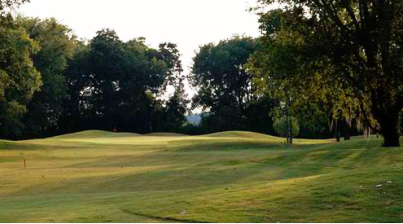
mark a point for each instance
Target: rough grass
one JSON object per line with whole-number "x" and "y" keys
{"x": 96, "y": 176}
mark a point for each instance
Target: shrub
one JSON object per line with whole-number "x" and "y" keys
{"x": 281, "y": 126}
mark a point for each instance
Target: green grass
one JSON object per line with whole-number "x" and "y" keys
{"x": 97, "y": 176}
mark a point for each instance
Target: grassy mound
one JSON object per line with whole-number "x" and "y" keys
{"x": 242, "y": 134}
{"x": 96, "y": 134}
{"x": 165, "y": 134}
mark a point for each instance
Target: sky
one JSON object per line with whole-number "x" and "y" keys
{"x": 187, "y": 23}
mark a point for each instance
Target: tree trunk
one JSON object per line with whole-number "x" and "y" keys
{"x": 337, "y": 131}
{"x": 390, "y": 130}
{"x": 290, "y": 123}
{"x": 347, "y": 136}
{"x": 387, "y": 113}
{"x": 347, "y": 130}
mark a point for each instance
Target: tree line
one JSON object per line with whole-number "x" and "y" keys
{"x": 52, "y": 82}
{"x": 320, "y": 69}
{"x": 341, "y": 56}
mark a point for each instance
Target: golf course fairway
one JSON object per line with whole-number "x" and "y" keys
{"x": 97, "y": 176}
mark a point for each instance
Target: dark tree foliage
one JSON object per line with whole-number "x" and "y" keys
{"x": 336, "y": 66}
{"x": 57, "y": 44}
{"x": 169, "y": 53}
{"x": 176, "y": 108}
{"x": 76, "y": 116}
{"x": 120, "y": 85}
{"x": 356, "y": 46}
{"x": 259, "y": 117}
{"x": 106, "y": 67}
{"x": 172, "y": 115}
{"x": 225, "y": 86}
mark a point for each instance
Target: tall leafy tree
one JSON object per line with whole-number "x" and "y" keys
{"x": 176, "y": 106}
{"x": 116, "y": 84}
{"x": 143, "y": 76}
{"x": 223, "y": 83}
{"x": 57, "y": 45}
{"x": 18, "y": 77}
{"x": 175, "y": 110}
{"x": 169, "y": 53}
{"x": 105, "y": 64}
{"x": 76, "y": 110}
{"x": 358, "y": 47}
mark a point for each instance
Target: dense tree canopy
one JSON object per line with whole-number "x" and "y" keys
{"x": 116, "y": 84}
{"x": 352, "y": 47}
{"x": 335, "y": 66}
{"x": 224, "y": 85}
{"x": 19, "y": 79}
{"x": 57, "y": 44}
{"x": 52, "y": 83}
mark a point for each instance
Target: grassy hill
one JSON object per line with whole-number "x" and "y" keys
{"x": 96, "y": 176}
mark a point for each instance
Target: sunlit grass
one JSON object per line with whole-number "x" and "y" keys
{"x": 99, "y": 176}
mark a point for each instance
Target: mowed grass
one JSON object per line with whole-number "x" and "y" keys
{"x": 97, "y": 176}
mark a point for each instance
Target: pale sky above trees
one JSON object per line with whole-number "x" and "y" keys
{"x": 188, "y": 23}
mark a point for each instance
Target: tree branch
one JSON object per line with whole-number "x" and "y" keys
{"x": 351, "y": 13}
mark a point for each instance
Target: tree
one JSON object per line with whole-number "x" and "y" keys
{"x": 76, "y": 110}
{"x": 352, "y": 45}
{"x": 116, "y": 84}
{"x": 10, "y": 4}
{"x": 259, "y": 114}
{"x": 18, "y": 77}
{"x": 57, "y": 44}
{"x": 224, "y": 85}
{"x": 275, "y": 67}
{"x": 282, "y": 127}
{"x": 6, "y": 6}
{"x": 175, "y": 111}
{"x": 105, "y": 69}
{"x": 169, "y": 53}
{"x": 141, "y": 83}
